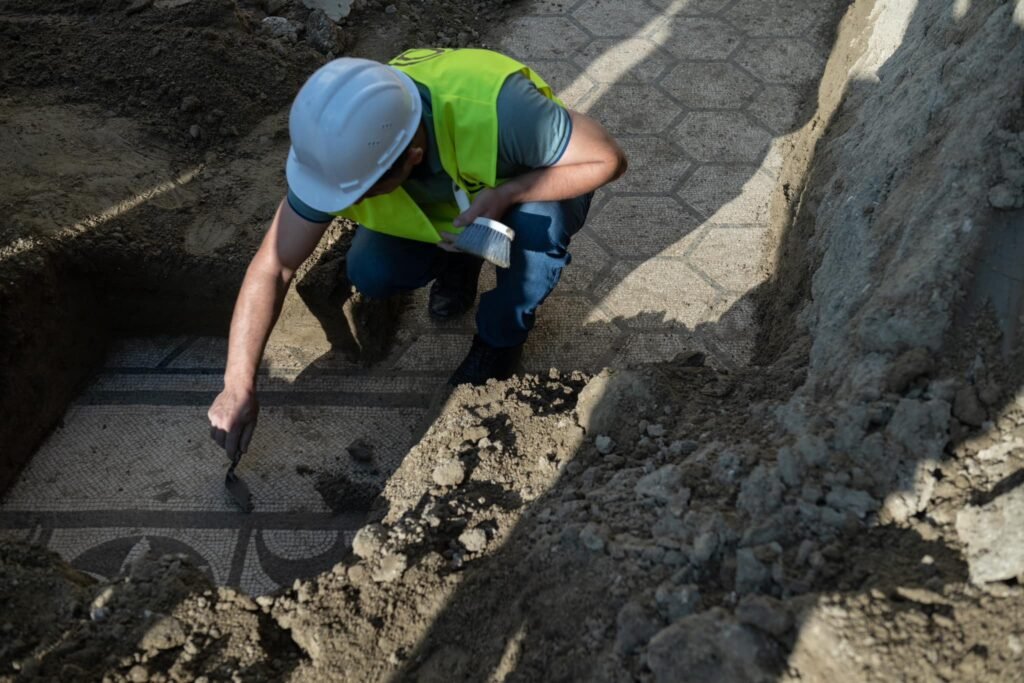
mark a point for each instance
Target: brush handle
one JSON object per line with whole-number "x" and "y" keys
{"x": 460, "y": 197}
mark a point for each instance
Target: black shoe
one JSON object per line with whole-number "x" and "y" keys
{"x": 454, "y": 290}
{"x": 484, "y": 362}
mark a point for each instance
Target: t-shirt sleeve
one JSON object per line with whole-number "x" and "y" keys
{"x": 306, "y": 211}
{"x": 533, "y": 131}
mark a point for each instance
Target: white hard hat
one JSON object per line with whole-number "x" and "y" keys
{"x": 349, "y": 123}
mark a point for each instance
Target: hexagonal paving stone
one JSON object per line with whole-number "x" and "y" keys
{"x": 634, "y": 60}
{"x": 779, "y": 107}
{"x": 551, "y": 6}
{"x": 615, "y": 18}
{"x": 729, "y": 194}
{"x": 709, "y": 85}
{"x": 571, "y": 333}
{"x": 658, "y": 293}
{"x": 781, "y": 60}
{"x": 776, "y": 18}
{"x": 722, "y": 136}
{"x": 435, "y": 352}
{"x": 691, "y": 7}
{"x": 640, "y": 109}
{"x": 731, "y": 257}
{"x": 588, "y": 259}
{"x": 697, "y": 37}
{"x": 651, "y": 347}
{"x": 780, "y": 17}
{"x": 531, "y": 38}
{"x": 654, "y": 165}
{"x": 567, "y": 80}
{"x": 416, "y": 317}
{"x": 641, "y": 227}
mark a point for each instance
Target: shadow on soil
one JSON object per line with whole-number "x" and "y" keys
{"x": 523, "y": 614}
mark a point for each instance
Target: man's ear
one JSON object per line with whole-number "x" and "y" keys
{"x": 415, "y": 156}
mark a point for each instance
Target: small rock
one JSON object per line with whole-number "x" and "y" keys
{"x": 662, "y": 484}
{"x": 751, "y": 573}
{"x": 449, "y": 473}
{"x": 1006, "y": 196}
{"x": 474, "y": 540}
{"x": 766, "y": 613}
{"x": 967, "y": 408}
{"x": 335, "y": 9}
{"x": 591, "y": 537}
{"x": 634, "y": 627}
{"x": 812, "y": 449}
{"x": 195, "y": 131}
{"x": 761, "y": 492}
{"x": 357, "y": 574}
{"x": 165, "y": 634}
{"x": 604, "y": 444}
{"x": 922, "y": 596}
{"x": 369, "y": 540}
{"x": 279, "y": 27}
{"x": 712, "y": 648}
{"x": 704, "y": 547}
{"x": 138, "y": 674}
{"x": 994, "y": 536}
{"x": 682, "y": 447}
{"x": 321, "y": 32}
{"x": 859, "y": 503}
{"x": 189, "y": 103}
{"x": 391, "y": 567}
{"x": 676, "y": 602}
{"x": 390, "y": 9}
{"x": 655, "y": 430}
{"x": 790, "y": 467}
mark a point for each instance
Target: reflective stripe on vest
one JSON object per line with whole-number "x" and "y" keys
{"x": 464, "y": 87}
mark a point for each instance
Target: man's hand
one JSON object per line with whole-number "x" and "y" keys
{"x": 489, "y": 203}
{"x": 233, "y": 420}
{"x": 289, "y": 241}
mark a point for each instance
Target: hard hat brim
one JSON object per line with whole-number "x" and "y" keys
{"x": 323, "y": 196}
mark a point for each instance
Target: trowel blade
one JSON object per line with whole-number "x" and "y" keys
{"x": 238, "y": 491}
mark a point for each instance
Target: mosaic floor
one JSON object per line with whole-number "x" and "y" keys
{"x": 701, "y": 93}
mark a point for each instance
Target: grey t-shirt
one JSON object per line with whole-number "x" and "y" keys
{"x": 533, "y": 132}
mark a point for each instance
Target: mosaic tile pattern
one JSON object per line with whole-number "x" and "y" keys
{"x": 699, "y": 92}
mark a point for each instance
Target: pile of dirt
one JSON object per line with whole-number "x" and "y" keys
{"x": 664, "y": 537}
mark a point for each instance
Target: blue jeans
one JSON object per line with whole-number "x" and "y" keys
{"x": 381, "y": 265}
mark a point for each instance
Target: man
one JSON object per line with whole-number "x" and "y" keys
{"x": 382, "y": 145}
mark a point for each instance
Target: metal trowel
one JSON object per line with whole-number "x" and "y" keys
{"x": 236, "y": 488}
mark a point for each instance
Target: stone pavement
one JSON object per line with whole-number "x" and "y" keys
{"x": 700, "y": 93}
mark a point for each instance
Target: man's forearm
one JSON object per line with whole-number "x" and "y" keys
{"x": 256, "y": 310}
{"x": 556, "y": 183}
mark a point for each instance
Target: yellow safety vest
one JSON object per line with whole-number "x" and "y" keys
{"x": 464, "y": 87}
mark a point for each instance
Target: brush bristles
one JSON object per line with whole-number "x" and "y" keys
{"x": 487, "y": 243}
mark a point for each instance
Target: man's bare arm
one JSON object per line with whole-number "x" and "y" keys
{"x": 289, "y": 241}
{"x": 591, "y": 159}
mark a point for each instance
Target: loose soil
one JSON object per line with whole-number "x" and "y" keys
{"x": 827, "y": 514}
